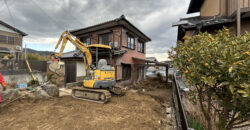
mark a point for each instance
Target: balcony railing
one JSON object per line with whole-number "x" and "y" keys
{"x": 232, "y": 6}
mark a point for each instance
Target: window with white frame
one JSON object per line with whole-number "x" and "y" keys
{"x": 131, "y": 42}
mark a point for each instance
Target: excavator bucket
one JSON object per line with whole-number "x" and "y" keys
{"x": 55, "y": 64}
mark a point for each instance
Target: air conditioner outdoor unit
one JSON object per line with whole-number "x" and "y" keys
{"x": 18, "y": 48}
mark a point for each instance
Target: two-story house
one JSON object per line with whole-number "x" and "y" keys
{"x": 214, "y": 14}
{"x": 128, "y": 50}
{"x": 11, "y": 39}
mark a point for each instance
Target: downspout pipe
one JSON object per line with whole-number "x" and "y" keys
{"x": 219, "y": 13}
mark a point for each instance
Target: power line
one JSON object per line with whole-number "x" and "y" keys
{"x": 10, "y": 4}
{"x": 9, "y": 12}
{"x": 72, "y": 16}
{"x": 46, "y": 14}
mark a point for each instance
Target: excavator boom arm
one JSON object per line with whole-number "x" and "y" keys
{"x": 87, "y": 57}
{"x": 64, "y": 38}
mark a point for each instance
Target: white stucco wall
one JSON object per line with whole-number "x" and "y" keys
{"x": 80, "y": 69}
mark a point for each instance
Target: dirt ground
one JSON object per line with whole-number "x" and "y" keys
{"x": 135, "y": 110}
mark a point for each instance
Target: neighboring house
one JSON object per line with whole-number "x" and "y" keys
{"x": 128, "y": 49}
{"x": 214, "y": 14}
{"x": 74, "y": 67}
{"x": 11, "y": 39}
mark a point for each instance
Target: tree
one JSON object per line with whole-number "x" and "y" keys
{"x": 36, "y": 56}
{"x": 217, "y": 67}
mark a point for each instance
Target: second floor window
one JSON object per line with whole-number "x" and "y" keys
{"x": 131, "y": 42}
{"x": 140, "y": 47}
{"x": 85, "y": 40}
{"x": 104, "y": 39}
{"x": 10, "y": 40}
{"x": 3, "y": 39}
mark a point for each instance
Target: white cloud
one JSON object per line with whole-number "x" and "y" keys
{"x": 45, "y": 20}
{"x": 159, "y": 56}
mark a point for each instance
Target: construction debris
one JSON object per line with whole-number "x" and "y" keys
{"x": 150, "y": 84}
{"x": 10, "y": 94}
{"x": 41, "y": 94}
{"x": 65, "y": 92}
{"x": 51, "y": 90}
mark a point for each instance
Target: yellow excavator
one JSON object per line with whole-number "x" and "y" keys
{"x": 99, "y": 82}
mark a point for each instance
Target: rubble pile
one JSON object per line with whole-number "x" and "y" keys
{"x": 51, "y": 90}
{"x": 57, "y": 79}
{"x": 150, "y": 83}
{"x": 44, "y": 91}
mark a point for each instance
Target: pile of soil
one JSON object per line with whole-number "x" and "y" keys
{"x": 132, "y": 111}
{"x": 150, "y": 83}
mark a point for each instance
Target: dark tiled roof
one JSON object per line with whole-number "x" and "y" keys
{"x": 72, "y": 54}
{"x": 13, "y": 28}
{"x": 121, "y": 21}
{"x": 195, "y": 6}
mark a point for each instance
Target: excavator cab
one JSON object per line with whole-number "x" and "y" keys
{"x": 103, "y": 76}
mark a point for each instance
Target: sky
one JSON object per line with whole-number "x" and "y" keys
{"x": 45, "y": 20}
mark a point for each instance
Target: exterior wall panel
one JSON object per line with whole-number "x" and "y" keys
{"x": 210, "y": 8}
{"x": 17, "y": 40}
{"x": 119, "y": 36}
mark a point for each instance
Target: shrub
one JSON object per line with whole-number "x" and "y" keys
{"x": 217, "y": 67}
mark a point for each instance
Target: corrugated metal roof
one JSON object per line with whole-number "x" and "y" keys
{"x": 72, "y": 54}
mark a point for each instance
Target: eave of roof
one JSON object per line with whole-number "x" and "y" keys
{"x": 201, "y": 21}
{"x": 13, "y": 28}
{"x": 121, "y": 21}
{"x": 195, "y": 6}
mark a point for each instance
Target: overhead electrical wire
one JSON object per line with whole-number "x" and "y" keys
{"x": 10, "y": 13}
{"x": 46, "y": 14}
{"x": 52, "y": 18}
{"x": 10, "y": 4}
{"x": 72, "y": 16}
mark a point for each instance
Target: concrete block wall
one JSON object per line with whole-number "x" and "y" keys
{"x": 25, "y": 78}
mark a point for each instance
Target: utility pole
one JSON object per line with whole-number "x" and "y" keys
{"x": 25, "y": 53}
{"x": 238, "y": 17}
